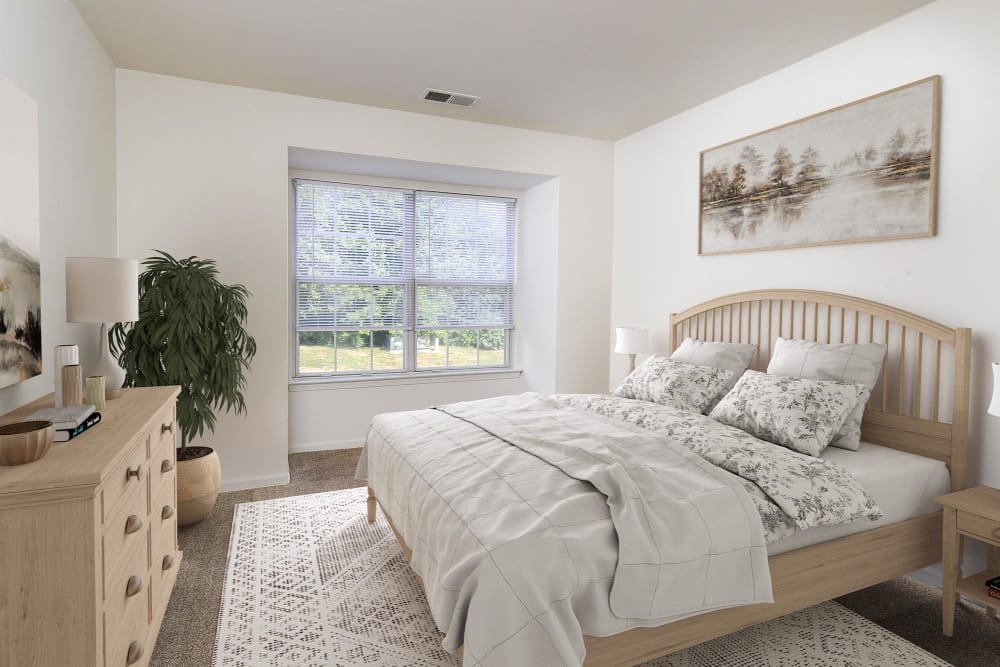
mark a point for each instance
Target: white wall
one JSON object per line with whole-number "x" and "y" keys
{"x": 950, "y": 278}
{"x": 47, "y": 50}
{"x": 202, "y": 169}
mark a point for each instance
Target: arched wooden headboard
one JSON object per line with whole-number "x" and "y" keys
{"x": 921, "y": 402}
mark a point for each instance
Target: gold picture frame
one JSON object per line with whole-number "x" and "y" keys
{"x": 863, "y": 171}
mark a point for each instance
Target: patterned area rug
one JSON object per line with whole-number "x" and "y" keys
{"x": 311, "y": 583}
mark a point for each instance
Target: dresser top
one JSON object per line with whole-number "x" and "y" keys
{"x": 87, "y": 458}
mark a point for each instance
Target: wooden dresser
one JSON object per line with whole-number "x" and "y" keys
{"x": 88, "y": 539}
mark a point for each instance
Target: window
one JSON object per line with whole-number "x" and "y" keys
{"x": 390, "y": 280}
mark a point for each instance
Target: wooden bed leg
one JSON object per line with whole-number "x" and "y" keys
{"x": 371, "y": 505}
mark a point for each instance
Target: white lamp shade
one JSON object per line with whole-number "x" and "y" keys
{"x": 631, "y": 340}
{"x": 102, "y": 289}
{"x": 994, "y": 408}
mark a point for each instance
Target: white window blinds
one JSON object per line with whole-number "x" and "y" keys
{"x": 464, "y": 261}
{"x": 352, "y": 256}
{"x": 369, "y": 258}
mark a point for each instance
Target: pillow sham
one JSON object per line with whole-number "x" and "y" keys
{"x": 735, "y": 357}
{"x": 675, "y": 383}
{"x": 859, "y": 363}
{"x": 803, "y": 415}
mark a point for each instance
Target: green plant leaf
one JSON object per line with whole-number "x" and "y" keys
{"x": 191, "y": 332}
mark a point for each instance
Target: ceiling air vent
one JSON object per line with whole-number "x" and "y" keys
{"x": 461, "y": 99}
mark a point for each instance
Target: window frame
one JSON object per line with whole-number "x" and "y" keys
{"x": 411, "y": 371}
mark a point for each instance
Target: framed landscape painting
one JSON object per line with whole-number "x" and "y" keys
{"x": 865, "y": 171}
{"x": 20, "y": 270}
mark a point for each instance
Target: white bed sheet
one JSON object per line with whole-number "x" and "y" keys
{"x": 901, "y": 483}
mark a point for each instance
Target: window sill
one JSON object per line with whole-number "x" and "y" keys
{"x": 327, "y": 383}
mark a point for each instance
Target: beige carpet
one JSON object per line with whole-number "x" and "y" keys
{"x": 904, "y": 606}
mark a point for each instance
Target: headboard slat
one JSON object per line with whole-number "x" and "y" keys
{"x": 917, "y": 409}
{"x": 901, "y": 372}
{"x": 937, "y": 379}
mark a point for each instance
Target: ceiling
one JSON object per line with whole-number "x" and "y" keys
{"x": 594, "y": 68}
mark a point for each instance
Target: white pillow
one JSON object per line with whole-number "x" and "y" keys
{"x": 803, "y": 415}
{"x": 860, "y": 363}
{"x": 735, "y": 357}
{"x": 675, "y": 383}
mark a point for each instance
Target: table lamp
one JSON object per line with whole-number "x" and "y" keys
{"x": 631, "y": 341}
{"x": 102, "y": 290}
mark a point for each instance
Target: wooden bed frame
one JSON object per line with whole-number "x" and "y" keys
{"x": 920, "y": 405}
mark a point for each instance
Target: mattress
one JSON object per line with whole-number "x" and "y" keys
{"x": 901, "y": 483}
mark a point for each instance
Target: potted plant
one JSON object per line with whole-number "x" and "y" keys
{"x": 190, "y": 332}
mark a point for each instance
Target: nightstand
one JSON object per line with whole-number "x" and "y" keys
{"x": 973, "y": 513}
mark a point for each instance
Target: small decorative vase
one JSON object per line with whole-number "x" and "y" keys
{"x": 65, "y": 355}
{"x": 72, "y": 385}
{"x": 25, "y": 442}
{"x": 95, "y": 391}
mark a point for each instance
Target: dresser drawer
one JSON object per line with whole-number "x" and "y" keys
{"x": 122, "y": 533}
{"x": 128, "y": 644}
{"x": 126, "y": 612}
{"x": 162, "y": 464}
{"x": 164, "y": 430}
{"x": 163, "y": 571}
{"x": 982, "y": 528}
{"x": 163, "y": 516}
{"x": 128, "y": 476}
{"x": 162, "y": 587}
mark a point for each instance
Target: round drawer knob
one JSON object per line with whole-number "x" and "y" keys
{"x": 168, "y": 511}
{"x": 133, "y": 524}
{"x": 134, "y": 653}
{"x": 166, "y": 428}
{"x": 135, "y": 472}
{"x": 134, "y": 586}
{"x": 167, "y": 465}
{"x": 168, "y": 562}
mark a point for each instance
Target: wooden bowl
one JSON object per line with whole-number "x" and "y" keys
{"x": 24, "y": 442}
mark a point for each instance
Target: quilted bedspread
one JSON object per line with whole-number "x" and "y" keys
{"x": 534, "y": 522}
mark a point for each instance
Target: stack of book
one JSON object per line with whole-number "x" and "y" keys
{"x": 993, "y": 587}
{"x": 70, "y": 421}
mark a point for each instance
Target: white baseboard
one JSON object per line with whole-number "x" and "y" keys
{"x": 241, "y": 483}
{"x": 930, "y": 575}
{"x": 349, "y": 443}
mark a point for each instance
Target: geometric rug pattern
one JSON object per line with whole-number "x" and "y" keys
{"x": 310, "y": 583}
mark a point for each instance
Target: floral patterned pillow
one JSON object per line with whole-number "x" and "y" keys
{"x": 803, "y": 415}
{"x": 843, "y": 362}
{"x": 675, "y": 383}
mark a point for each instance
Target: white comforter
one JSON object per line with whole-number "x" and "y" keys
{"x": 533, "y": 523}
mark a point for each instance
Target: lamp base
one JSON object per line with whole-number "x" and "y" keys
{"x": 107, "y": 365}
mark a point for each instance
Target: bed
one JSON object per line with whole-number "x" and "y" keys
{"x": 915, "y": 426}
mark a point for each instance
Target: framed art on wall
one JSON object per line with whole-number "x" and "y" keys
{"x": 864, "y": 171}
{"x": 20, "y": 269}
